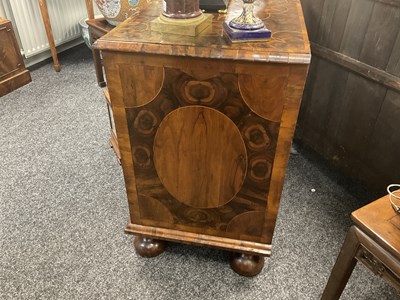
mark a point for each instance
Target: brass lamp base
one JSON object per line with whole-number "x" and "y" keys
{"x": 191, "y": 27}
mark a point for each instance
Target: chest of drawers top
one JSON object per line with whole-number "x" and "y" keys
{"x": 288, "y": 44}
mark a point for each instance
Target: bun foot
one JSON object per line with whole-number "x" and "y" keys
{"x": 148, "y": 247}
{"x": 246, "y": 264}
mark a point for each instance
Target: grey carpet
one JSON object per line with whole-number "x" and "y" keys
{"x": 63, "y": 210}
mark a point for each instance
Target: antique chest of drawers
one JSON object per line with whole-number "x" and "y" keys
{"x": 13, "y": 73}
{"x": 205, "y": 128}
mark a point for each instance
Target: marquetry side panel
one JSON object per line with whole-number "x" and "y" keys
{"x": 200, "y": 156}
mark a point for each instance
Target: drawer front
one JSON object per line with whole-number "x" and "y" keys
{"x": 373, "y": 263}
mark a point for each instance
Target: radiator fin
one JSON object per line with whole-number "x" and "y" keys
{"x": 64, "y": 19}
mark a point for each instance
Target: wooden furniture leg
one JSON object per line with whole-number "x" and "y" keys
{"x": 97, "y": 63}
{"x": 89, "y": 7}
{"x": 49, "y": 32}
{"x": 149, "y": 247}
{"x": 343, "y": 267}
{"x": 95, "y": 53}
{"x": 246, "y": 264}
{"x": 97, "y": 28}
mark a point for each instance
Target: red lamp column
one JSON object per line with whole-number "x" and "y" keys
{"x": 182, "y": 17}
{"x": 181, "y": 9}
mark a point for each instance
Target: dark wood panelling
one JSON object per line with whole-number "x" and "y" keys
{"x": 356, "y": 117}
{"x": 358, "y": 67}
{"x": 327, "y": 93}
{"x": 312, "y": 14}
{"x": 338, "y": 24}
{"x": 381, "y": 36}
{"x": 394, "y": 61}
{"x": 312, "y": 75}
{"x": 390, "y": 2}
{"x": 356, "y": 27}
{"x": 383, "y": 152}
{"x": 353, "y": 89}
{"x": 324, "y": 25}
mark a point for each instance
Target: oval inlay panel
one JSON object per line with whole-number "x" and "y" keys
{"x": 200, "y": 156}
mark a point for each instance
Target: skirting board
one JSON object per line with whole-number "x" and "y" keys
{"x": 42, "y": 56}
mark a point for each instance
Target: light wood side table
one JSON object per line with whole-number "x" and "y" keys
{"x": 49, "y": 31}
{"x": 374, "y": 241}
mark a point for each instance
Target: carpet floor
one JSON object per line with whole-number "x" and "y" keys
{"x": 63, "y": 210}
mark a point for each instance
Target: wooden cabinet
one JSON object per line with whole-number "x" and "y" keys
{"x": 204, "y": 129}
{"x": 13, "y": 73}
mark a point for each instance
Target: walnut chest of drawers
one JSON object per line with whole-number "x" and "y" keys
{"x": 205, "y": 128}
{"x": 13, "y": 73}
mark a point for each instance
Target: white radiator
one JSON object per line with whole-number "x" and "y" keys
{"x": 5, "y": 10}
{"x": 64, "y": 18}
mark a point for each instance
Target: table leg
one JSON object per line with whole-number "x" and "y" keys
{"x": 148, "y": 247}
{"x": 246, "y": 264}
{"x": 89, "y": 7}
{"x": 97, "y": 62}
{"x": 49, "y": 32}
{"x": 343, "y": 267}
